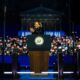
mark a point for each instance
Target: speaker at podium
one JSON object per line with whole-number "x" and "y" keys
{"x": 39, "y": 46}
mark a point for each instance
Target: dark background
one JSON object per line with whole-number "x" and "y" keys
{"x": 14, "y": 7}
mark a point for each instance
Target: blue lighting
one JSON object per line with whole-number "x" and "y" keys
{"x": 51, "y": 33}
{"x": 24, "y": 33}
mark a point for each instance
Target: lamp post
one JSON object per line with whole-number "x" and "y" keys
{"x": 60, "y": 63}
{"x": 4, "y": 26}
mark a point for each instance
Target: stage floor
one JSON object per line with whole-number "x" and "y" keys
{"x": 24, "y": 66}
{"x": 32, "y": 77}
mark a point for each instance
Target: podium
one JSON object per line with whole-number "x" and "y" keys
{"x": 39, "y": 46}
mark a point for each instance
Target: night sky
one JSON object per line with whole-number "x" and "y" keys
{"x": 15, "y": 7}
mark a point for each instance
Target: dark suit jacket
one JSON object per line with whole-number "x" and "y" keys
{"x": 39, "y": 31}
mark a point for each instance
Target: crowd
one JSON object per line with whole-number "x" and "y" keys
{"x": 66, "y": 45}
{"x": 13, "y": 46}
{"x": 18, "y": 46}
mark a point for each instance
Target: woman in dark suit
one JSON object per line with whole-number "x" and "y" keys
{"x": 37, "y": 29}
